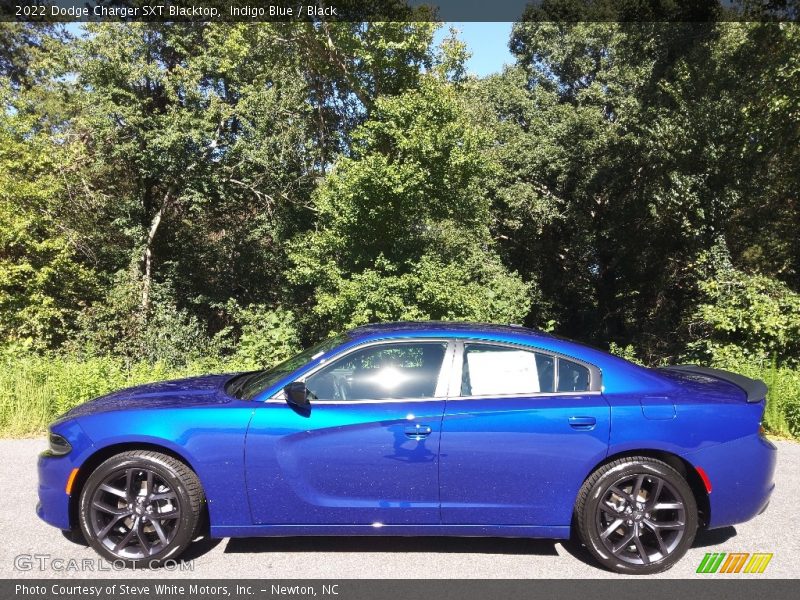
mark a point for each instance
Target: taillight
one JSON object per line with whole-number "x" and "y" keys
{"x": 704, "y": 478}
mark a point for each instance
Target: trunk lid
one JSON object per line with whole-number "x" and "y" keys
{"x": 755, "y": 390}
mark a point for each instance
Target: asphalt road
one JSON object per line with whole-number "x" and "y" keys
{"x": 22, "y": 533}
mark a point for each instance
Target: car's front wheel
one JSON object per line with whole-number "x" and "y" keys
{"x": 140, "y": 507}
{"x": 636, "y": 515}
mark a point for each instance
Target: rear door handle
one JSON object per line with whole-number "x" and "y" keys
{"x": 417, "y": 431}
{"x": 582, "y": 422}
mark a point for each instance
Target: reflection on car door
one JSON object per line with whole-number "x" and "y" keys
{"x": 518, "y": 436}
{"x": 365, "y": 453}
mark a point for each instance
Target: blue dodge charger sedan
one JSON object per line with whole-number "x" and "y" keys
{"x": 418, "y": 429}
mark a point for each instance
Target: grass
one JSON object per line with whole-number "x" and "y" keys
{"x": 35, "y": 390}
{"x": 782, "y": 416}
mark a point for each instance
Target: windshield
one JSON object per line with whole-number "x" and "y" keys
{"x": 260, "y": 380}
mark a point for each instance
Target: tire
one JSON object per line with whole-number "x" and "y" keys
{"x": 75, "y": 536}
{"x": 620, "y": 527}
{"x": 140, "y": 508}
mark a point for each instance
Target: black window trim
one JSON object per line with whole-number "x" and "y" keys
{"x": 454, "y": 389}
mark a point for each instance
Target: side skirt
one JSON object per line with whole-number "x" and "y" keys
{"x": 559, "y": 532}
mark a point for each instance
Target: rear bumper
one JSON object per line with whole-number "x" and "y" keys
{"x": 741, "y": 473}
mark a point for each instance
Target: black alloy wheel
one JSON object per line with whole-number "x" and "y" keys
{"x": 637, "y": 515}
{"x": 140, "y": 507}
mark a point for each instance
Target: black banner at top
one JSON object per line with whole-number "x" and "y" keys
{"x": 398, "y": 10}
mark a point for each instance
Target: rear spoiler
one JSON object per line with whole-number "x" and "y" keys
{"x": 755, "y": 389}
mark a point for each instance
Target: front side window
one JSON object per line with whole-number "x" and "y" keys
{"x": 497, "y": 370}
{"x": 382, "y": 372}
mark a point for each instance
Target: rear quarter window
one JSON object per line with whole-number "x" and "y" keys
{"x": 572, "y": 377}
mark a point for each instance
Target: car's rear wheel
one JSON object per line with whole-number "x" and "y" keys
{"x": 140, "y": 507}
{"x": 636, "y": 515}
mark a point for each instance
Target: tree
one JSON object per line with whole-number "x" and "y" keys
{"x": 766, "y": 91}
{"x": 634, "y": 152}
{"x": 46, "y": 273}
{"x": 742, "y": 317}
{"x": 216, "y": 136}
{"x": 190, "y": 153}
{"x": 403, "y": 223}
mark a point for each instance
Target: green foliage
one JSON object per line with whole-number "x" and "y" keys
{"x": 431, "y": 290}
{"x": 118, "y": 327}
{"x": 42, "y": 283}
{"x": 423, "y": 250}
{"x": 635, "y": 145}
{"x": 45, "y": 278}
{"x": 628, "y": 352}
{"x": 768, "y": 100}
{"x": 782, "y": 415}
{"x": 792, "y": 418}
{"x": 34, "y": 390}
{"x": 183, "y": 197}
{"x": 268, "y": 336}
{"x": 746, "y": 318}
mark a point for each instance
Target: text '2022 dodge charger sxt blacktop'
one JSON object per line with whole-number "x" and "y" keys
{"x": 418, "y": 429}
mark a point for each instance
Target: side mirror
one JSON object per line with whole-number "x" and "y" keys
{"x": 297, "y": 395}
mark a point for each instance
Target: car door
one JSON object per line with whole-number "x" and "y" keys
{"x": 520, "y": 432}
{"x": 367, "y": 450}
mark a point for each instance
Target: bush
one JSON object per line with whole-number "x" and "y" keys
{"x": 792, "y": 414}
{"x": 627, "y": 352}
{"x": 403, "y": 225}
{"x": 34, "y": 390}
{"x": 750, "y": 317}
{"x": 432, "y": 290}
{"x": 782, "y": 415}
{"x": 267, "y": 336}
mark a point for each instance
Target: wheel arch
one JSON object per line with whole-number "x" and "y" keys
{"x": 95, "y": 459}
{"x": 681, "y": 465}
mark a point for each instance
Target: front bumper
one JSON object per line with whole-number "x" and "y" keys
{"x": 54, "y": 471}
{"x": 741, "y": 474}
{"x": 53, "y": 506}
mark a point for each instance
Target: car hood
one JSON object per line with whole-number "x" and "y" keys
{"x": 192, "y": 391}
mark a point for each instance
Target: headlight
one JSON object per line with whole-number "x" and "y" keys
{"x": 59, "y": 446}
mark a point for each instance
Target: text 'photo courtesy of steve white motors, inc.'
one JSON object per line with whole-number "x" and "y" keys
{"x": 164, "y": 590}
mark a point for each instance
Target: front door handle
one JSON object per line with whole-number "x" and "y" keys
{"x": 418, "y": 431}
{"x": 582, "y": 422}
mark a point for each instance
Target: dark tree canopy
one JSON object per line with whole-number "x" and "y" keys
{"x": 235, "y": 190}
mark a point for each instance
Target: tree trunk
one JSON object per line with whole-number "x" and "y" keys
{"x": 147, "y": 255}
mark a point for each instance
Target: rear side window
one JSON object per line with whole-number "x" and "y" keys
{"x": 496, "y": 370}
{"x": 572, "y": 377}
